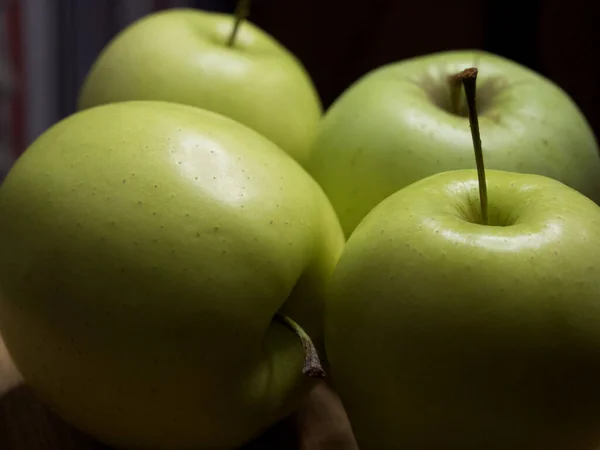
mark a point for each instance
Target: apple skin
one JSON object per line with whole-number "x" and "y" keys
{"x": 144, "y": 249}
{"x": 445, "y": 334}
{"x": 393, "y": 127}
{"x": 181, "y": 56}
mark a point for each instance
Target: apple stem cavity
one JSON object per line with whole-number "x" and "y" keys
{"x": 468, "y": 77}
{"x": 242, "y": 11}
{"x": 455, "y": 91}
{"x": 312, "y": 363}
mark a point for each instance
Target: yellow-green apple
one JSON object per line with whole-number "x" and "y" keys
{"x": 452, "y": 326}
{"x": 397, "y": 124}
{"x": 203, "y": 59}
{"x": 147, "y": 250}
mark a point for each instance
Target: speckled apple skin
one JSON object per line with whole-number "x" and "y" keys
{"x": 446, "y": 334}
{"x": 181, "y": 55}
{"x": 144, "y": 249}
{"x": 394, "y": 127}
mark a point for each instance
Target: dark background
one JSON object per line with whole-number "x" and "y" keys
{"x": 337, "y": 40}
{"x": 338, "y": 43}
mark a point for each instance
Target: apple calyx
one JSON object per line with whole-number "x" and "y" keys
{"x": 468, "y": 78}
{"x": 312, "y": 362}
{"x": 242, "y": 11}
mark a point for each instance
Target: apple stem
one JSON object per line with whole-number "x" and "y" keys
{"x": 468, "y": 77}
{"x": 455, "y": 88}
{"x": 312, "y": 363}
{"x": 242, "y": 11}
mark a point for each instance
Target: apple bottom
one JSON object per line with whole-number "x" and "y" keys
{"x": 438, "y": 407}
{"x": 159, "y": 398}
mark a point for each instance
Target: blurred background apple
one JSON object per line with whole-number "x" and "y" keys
{"x": 51, "y": 44}
{"x": 48, "y": 46}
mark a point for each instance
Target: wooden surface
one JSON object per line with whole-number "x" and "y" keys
{"x": 25, "y": 424}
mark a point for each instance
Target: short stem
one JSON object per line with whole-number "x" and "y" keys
{"x": 242, "y": 10}
{"x": 312, "y": 363}
{"x": 468, "y": 77}
{"x": 455, "y": 88}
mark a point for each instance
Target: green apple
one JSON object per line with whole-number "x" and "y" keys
{"x": 396, "y": 125}
{"x": 445, "y": 334}
{"x": 454, "y": 326}
{"x": 184, "y": 56}
{"x": 145, "y": 250}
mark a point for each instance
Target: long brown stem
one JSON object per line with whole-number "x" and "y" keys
{"x": 242, "y": 11}
{"x": 312, "y": 363}
{"x": 468, "y": 77}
